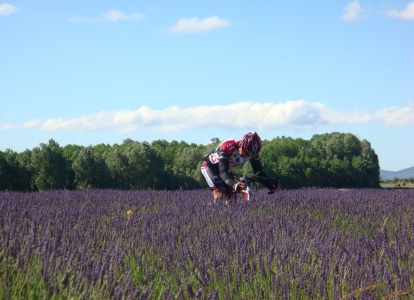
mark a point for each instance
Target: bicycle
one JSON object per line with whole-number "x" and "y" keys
{"x": 255, "y": 180}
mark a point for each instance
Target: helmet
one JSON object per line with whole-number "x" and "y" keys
{"x": 251, "y": 144}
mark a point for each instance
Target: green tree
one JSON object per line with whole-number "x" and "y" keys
{"x": 6, "y": 173}
{"x": 70, "y": 153}
{"x": 84, "y": 168}
{"x": 168, "y": 152}
{"x": 49, "y": 166}
{"x": 118, "y": 167}
{"x": 90, "y": 169}
{"x": 187, "y": 166}
{"x": 26, "y": 170}
{"x": 146, "y": 166}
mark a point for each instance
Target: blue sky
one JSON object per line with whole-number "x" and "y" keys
{"x": 98, "y": 72}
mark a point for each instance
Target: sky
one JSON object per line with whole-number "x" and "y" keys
{"x": 91, "y": 72}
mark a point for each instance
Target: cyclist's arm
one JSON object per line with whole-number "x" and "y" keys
{"x": 224, "y": 169}
{"x": 257, "y": 165}
{"x": 257, "y": 169}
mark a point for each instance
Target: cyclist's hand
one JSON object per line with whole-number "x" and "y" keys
{"x": 240, "y": 186}
{"x": 275, "y": 188}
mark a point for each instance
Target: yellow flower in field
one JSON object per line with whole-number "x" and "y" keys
{"x": 129, "y": 212}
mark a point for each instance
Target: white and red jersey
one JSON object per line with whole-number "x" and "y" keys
{"x": 220, "y": 162}
{"x": 227, "y": 150}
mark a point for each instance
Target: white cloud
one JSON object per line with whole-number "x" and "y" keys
{"x": 196, "y": 25}
{"x": 406, "y": 14}
{"x": 114, "y": 16}
{"x": 7, "y": 9}
{"x": 110, "y": 16}
{"x": 32, "y": 123}
{"x": 10, "y": 126}
{"x": 265, "y": 116}
{"x": 397, "y": 116}
{"x": 352, "y": 11}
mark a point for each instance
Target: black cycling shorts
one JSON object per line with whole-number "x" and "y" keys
{"x": 214, "y": 181}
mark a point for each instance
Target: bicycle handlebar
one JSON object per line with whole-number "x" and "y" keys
{"x": 257, "y": 178}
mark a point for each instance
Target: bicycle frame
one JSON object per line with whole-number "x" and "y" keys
{"x": 255, "y": 179}
{"x": 248, "y": 180}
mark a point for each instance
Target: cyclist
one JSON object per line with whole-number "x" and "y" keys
{"x": 218, "y": 165}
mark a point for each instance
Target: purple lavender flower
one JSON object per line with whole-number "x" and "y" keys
{"x": 190, "y": 291}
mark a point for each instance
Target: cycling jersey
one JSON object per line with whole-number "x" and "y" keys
{"x": 224, "y": 159}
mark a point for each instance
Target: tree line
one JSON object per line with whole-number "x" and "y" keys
{"x": 396, "y": 179}
{"x": 326, "y": 160}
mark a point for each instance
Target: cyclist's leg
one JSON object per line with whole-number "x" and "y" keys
{"x": 216, "y": 184}
{"x": 219, "y": 194}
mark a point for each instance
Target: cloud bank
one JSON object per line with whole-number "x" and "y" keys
{"x": 111, "y": 16}
{"x": 196, "y": 25}
{"x": 7, "y": 9}
{"x": 405, "y": 14}
{"x": 264, "y": 116}
{"x": 354, "y": 11}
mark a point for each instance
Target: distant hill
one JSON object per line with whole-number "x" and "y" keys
{"x": 405, "y": 173}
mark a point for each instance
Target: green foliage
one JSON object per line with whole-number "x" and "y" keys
{"x": 145, "y": 166}
{"x": 49, "y": 166}
{"x": 326, "y": 160}
{"x": 26, "y": 179}
{"x": 6, "y": 172}
{"x": 90, "y": 169}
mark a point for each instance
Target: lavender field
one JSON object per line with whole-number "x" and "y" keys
{"x": 297, "y": 244}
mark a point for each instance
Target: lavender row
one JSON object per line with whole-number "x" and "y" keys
{"x": 310, "y": 243}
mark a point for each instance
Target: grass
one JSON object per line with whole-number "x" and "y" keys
{"x": 392, "y": 186}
